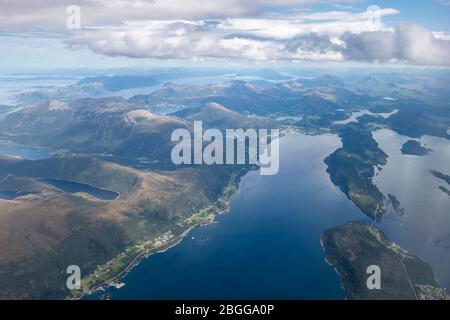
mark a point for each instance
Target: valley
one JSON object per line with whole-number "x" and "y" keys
{"x": 90, "y": 180}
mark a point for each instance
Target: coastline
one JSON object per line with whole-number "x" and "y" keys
{"x": 144, "y": 249}
{"x": 327, "y": 261}
{"x": 413, "y": 279}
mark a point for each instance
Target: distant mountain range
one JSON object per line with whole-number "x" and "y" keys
{"x": 123, "y": 145}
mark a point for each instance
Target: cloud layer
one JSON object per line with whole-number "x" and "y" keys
{"x": 408, "y": 42}
{"x": 293, "y": 36}
{"x": 50, "y": 15}
{"x": 232, "y": 29}
{"x": 269, "y": 39}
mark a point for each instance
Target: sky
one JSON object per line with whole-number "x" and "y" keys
{"x": 50, "y": 34}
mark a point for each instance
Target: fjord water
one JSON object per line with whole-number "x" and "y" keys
{"x": 425, "y": 228}
{"x": 267, "y": 246}
{"x": 10, "y": 86}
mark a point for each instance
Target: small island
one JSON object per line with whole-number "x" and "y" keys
{"x": 396, "y": 205}
{"x": 415, "y": 148}
{"x": 353, "y": 247}
{"x": 443, "y": 177}
{"x": 445, "y": 190}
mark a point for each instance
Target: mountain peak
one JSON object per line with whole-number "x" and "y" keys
{"x": 135, "y": 116}
{"x": 217, "y": 107}
{"x": 56, "y": 105}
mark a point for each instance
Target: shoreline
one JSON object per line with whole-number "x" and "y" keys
{"x": 172, "y": 242}
{"x": 226, "y": 199}
{"x": 328, "y": 262}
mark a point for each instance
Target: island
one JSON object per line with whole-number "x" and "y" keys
{"x": 415, "y": 148}
{"x": 443, "y": 177}
{"x": 396, "y": 205}
{"x": 351, "y": 168}
{"x": 353, "y": 247}
{"x": 445, "y": 190}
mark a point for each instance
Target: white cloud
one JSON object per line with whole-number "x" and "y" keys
{"x": 227, "y": 39}
{"x": 299, "y": 36}
{"x": 230, "y": 29}
{"x": 332, "y": 23}
{"x": 50, "y": 15}
{"x": 410, "y": 43}
{"x": 441, "y": 35}
{"x": 188, "y": 40}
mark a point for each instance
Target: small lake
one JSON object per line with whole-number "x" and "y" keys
{"x": 8, "y": 195}
{"x": 75, "y": 187}
{"x": 24, "y": 152}
{"x": 31, "y": 153}
{"x": 266, "y": 247}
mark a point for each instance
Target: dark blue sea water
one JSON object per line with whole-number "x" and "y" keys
{"x": 74, "y": 187}
{"x": 267, "y": 246}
